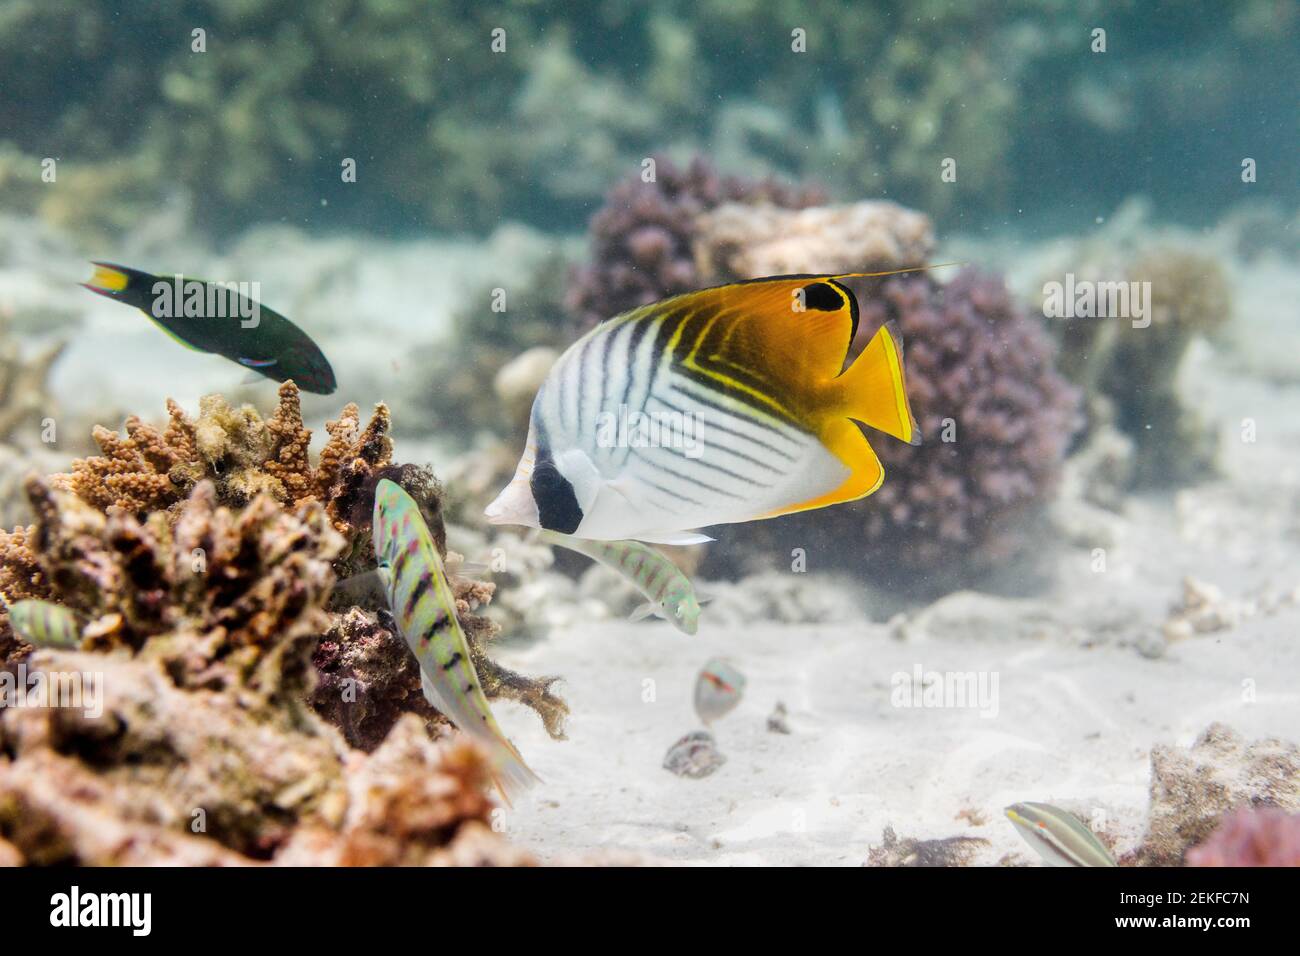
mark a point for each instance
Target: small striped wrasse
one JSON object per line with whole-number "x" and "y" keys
{"x": 213, "y": 317}
{"x": 1058, "y": 837}
{"x": 718, "y": 690}
{"x": 424, "y": 607}
{"x": 724, "y": 405}
{"x": 668, "y": 592}
{"x": 44, "y": 623}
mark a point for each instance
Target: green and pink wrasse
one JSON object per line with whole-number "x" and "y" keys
{"x": 1058, "y": 837}
{"x": 424, "y": 607}
{"x": 44, "y": 623}
{"x": 668, "y": 592}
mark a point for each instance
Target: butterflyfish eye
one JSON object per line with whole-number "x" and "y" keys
{"x": 823, "y": 297}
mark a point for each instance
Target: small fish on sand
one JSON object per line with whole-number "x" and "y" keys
{"x": 218, "y": 318}
{"x": 695, "y": 755}
{"x": 718, "y": 690}
{"x": 668, "y": 592}
{"x": 1058, "y": 837}
{"x": 424, "y": 608}
{"x": 724, "y": 405}
{"x": 44, "y": 624}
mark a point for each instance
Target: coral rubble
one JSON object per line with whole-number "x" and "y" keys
{"x": 168, "y": 775}
{"x": 745, "y": 241}
{"x": 1192, "y": 789}
{"x": 908, "y": 851}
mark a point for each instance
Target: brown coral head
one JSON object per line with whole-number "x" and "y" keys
{"x": 416, "y": 480}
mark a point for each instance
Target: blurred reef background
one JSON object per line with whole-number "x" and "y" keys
{"x": 526, "y": 170}
{"x": 450, "y": 138}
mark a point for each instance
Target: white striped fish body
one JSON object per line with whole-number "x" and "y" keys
{"x": 709, "y": 408}
{"x": 658, "y": 579}
{"x": 424, "y": 607}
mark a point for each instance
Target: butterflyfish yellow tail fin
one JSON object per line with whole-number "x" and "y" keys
{"x": 873, "y": 390}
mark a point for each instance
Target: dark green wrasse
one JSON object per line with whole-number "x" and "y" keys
{"x": 219, "y": 318}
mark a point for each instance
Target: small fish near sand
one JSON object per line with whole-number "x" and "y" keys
{"x": 424, "y": 607}
{"x": 668, "y": 592}
{"x": 218, "y": 318}
{"x": 44, "y": 624}
{"x": 718, "y": 690}
{"x": 1058, "y": 837}
{"x": 724, "y": 405}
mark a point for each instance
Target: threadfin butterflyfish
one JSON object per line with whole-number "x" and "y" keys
{"x": 724, "y": 405}
{"x": 424, "y": 608}
{"x": 220, "y": 318}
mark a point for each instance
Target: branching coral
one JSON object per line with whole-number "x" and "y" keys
{"x": 243, "y": 455}
{"x": 224, "y": 599}
{"x": 213, "y": 676}
{"x": 236, "y": 597}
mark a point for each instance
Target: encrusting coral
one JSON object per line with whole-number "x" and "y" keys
{"x": 1263, "y": 837}
{"x": 1192, "y": 790}
{"x": 642, "y": 239}
{"x": 215, "y": 620}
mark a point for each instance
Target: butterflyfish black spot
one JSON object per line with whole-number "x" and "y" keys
{"x": 557, "y": 505}
{"x": 823, "y": 297}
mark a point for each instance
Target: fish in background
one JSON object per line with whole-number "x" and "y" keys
{"x": 718, "y": 690}
{"x": 213, "y": 317}
{"x": 751, "y": 375}
{"x": 424, "y": 608}
{"x": 1058, "y": 837}
{"x": 668, "y": 592}
{"x": 44, "y": 623}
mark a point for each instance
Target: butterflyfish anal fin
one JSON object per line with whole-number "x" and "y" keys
{"x": 866, "y": 474}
